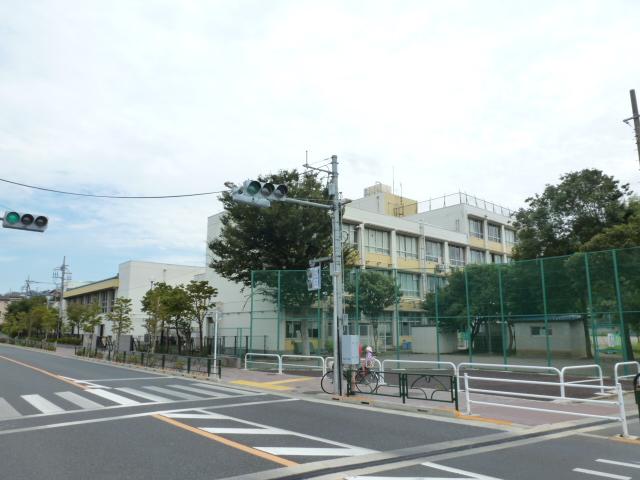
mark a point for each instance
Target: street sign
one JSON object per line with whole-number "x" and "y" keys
{"x": 313, "y": 278}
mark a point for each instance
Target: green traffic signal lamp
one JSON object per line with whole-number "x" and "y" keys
{"x": 253, "y": 187}
{"x": 25, "y": 221}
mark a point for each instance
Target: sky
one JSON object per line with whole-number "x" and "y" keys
{"x": 492, "y": 98}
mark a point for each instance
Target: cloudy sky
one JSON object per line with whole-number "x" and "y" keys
{"x": 149, "y": 97}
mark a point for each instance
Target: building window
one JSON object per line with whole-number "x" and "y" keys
{"x": 494, "y": 233}
{"x": 476, "y": 256}
{"x": 434, "y": 252}
{"x": 407, "y": 246}
{"x": 509, "y": 237}
{"x": 350, "y": 234}
{"x": 409, "y": 284}
{"x": 496, "y": 258}
{"x": 540, "y": 331}
{"x": 377, "y": 241}
{"x": 434, "y": 283}
{"x": 456, "y": 255}
{"x": 475, "y": 228}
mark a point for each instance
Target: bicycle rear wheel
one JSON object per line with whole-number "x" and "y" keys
{"x": 366, "y": 381}
{"x": 327, "y": 384}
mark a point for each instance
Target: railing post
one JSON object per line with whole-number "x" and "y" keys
{"x": 124, "y": 357}
{"x": 163, "y": 360}
{"x": 208, "y": 367}
{"x": 279, "y": 365}
{"x": 141, "y": 358}
{"x": 623, "y": 414}
{"x": 454, "y": 390}
{"x": 467, "y": 396}
{"x": 188, "y": 364}
{"x": 562, "y": 389}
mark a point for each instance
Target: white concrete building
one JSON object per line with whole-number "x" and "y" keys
{"x": 421, "y": 241}
{"x": 133, "y": 280}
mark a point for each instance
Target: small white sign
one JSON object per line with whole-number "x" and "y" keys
{"x": 313, "y": 278}
{"x": 350, "y": 353}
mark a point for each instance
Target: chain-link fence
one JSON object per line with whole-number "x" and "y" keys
{"x": 581, "y": 308}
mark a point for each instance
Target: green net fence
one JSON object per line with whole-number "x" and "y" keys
{"x": 581, "y": 308}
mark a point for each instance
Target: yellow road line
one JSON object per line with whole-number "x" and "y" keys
{"x": 291, "y": 380}
{"x": 476, "y": 418}
{"x": 227, "y": 442}
{"x": 44, "y": 372}
{"x": 266, "y": 385}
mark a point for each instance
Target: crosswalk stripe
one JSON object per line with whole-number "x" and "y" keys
{"x": 141, "y": 394}
{"x": 78, "y": 400}
{"x": 223, "y": 389}
{"x": 622, "y": 464}
{"x": 166, "y": 391}
{"x": 314, "y": 452}
{"x": 209, "y": 393}
{"x": 7, "y": 411}
{"x": 42, "y": 404}
{"x": 470, "y": 475}
{"x": 113, "y": 397}
{"x": 601, "y": 474}
{"x": 245, "y": 431}
{"x": 201, "y": 416}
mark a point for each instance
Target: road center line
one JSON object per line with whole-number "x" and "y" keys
{"x": 227, "y": 442}
{"x": 622, "y": 464}
{"x": 601, "y": 474}
{"x": 44, "y": 372}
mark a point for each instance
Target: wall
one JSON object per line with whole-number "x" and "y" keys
{"x": 567, "y": 338}
{"x": 424, "y": 341}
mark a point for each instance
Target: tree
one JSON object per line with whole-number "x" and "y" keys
{"x": 566, "y": 216}
{"x": 154, "y": 304}
{"x": 200, "y": 294}
{"x": 622, "y": 235}
{"x": 178, "y": 307}
{"x": 376, "y": 291}
{"x": 283, "y": 236}
{"x": 91, "y": 318}
{"x": 120, "y": 318}
{"x": 75, "y": 311}
{"x": 46, "y": 318}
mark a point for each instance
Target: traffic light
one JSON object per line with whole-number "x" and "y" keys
{"x": 259, "y": 194}
{"x": 25, "y": 221}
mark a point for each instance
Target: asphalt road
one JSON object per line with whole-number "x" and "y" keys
{"x": 65, "y": 418}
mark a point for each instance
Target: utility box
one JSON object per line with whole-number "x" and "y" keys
{"x": 350, "y": 353}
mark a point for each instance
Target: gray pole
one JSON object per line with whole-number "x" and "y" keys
{"x": 636, "y": 119}
{"x": 337, "y": 276}
{"x": 61, "y": 308}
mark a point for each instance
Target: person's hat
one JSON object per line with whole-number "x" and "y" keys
{"x": 369, "y": 349}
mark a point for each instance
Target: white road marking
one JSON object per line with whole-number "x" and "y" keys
{"x": 407, "y": 478}
{"x": 314, "y": 452}
{"x": 7, "y": 411}
{"x": 209, "y": 416}
{"x": 78, "y": 400}
{"x": 113, "y": 397}
{"x": 601, "y": 474}
{"x": 444, "y": 468}
{"x": 166, "y": 391}
{"x": 208, "y": 393}
{"x": 42, "y": 404}
{"x": 220, "y": 388}
{"x": 125, "y": 379}
{"x": 145, "y": 395}
{"x": 245, "y": 431}
{"x": 622, "y": 464}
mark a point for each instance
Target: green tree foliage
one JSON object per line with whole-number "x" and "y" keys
{"x": 91, "y": 318}
{"x": 376, "y": 291}
{"x": 179, "y": 309}
{"x": 283, "y": 236}
{"x": 120, "y": 318}
{"x": 566, "y": 216}
{"x": 200, "y": 294}
{"x": 74, "y": 316}
{"x": 622, "y": 235}
{"x": 154, "y": 304}
{"x": 30, "y": 317}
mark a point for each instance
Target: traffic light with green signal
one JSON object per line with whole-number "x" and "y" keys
{"x": 259, "y": 194}
{"x": 25, "y": 221}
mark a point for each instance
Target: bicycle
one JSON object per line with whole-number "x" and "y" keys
{"x": 365, "y": 380}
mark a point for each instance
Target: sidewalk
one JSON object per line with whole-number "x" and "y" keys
{"x": 306, "y": 385}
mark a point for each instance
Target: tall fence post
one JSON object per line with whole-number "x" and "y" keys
{"x": 437, "y": 320}
{"x": 279, "y": 306}
{"x": 591, "y": 314}
{"x": 466, "y": 294}
{"x": 503, "y": 323}
{"x": 253, "y": 286}
{"x": 623, "y": 332}
{"x": 544, "y": 310}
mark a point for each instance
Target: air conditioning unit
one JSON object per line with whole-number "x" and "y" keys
{"x": 440, "y": 267}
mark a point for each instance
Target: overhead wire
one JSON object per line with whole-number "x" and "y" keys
{"x": 138, "y": 197}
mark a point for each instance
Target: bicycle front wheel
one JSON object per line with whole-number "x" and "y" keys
{"x": 327, "y": 382}
{"x": 366, "y": 381}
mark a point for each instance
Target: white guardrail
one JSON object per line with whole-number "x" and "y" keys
{"x": 617, "y": 377}
{"x": 617, "y": 390}
{"x": 264, "y": 355}
{"x": 322, "y": 366}
{"x": 564, "y": 383}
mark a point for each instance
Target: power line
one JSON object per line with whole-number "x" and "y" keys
{"x": 109, "y": 196}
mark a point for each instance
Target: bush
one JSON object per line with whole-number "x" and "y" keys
{"x": 70, "y": 340}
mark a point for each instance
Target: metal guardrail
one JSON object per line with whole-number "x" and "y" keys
{"x": 564, "y": 383}
{"x": 426, "y": 363}
{"x": 263, "y": 355}
{"x": 617, "y": 390}
{"x": 322, "y": 366}
{"x": 618, "y": 377}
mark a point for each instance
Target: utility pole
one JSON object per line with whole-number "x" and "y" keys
{"x": 63, "y": 276}
{"x": 338, "y": 290}
{"x": 636, "y": 120}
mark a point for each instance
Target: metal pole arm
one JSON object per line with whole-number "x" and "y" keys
{"x": 305, "y": 203}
